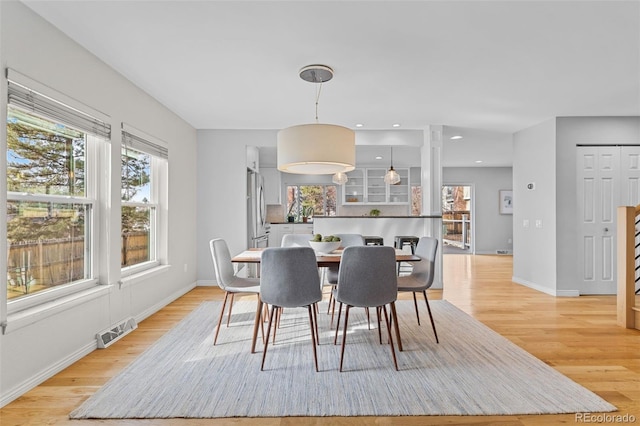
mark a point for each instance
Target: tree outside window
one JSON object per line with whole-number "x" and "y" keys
{"x": 138, "y": 209}
{"x": 46, "y": 229}
{"x": 322, "y": 199}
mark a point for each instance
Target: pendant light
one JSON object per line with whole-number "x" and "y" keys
{"x": 316, "y": 149}
{"x": 340, "y": 178}
{"x": 392, "y": 177}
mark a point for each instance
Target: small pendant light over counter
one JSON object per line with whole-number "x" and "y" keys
{"x": 340, "y": 178}
{"x": 391, "y": 177}
{"x": 316, "y": 149}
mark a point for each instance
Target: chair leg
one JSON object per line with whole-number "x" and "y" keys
{"x": 368, "y": 318}
{"x": 224, "y": 303}
{"x": 344, "y": 335}
{"x": 315, "y": 322}
{"x": 379, "y": 324}
{"x": 257, "y": 322}
{"x": 433, "y": 324}
{"x": 333, "y": 311}
{"x": 277, "y": 324}
{"x": 335, "y": 339}
{"x": 266, "y": 343}
{"x": 313, "y": 338}
{"x": 415, "y": 304}
{"x": 394, "y": 320}
{"x": 230, "y": 308}
{"x": 393, "y": 351}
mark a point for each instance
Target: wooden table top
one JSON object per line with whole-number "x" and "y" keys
{"x": 253, "y": 256}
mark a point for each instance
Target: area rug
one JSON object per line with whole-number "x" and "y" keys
{"x": 472, "y": 371}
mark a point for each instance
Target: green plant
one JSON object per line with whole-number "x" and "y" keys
{"x": 374, "y": 212}
{"x": 307, "y": 211}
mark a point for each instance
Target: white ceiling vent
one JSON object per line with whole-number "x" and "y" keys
{"x": 107, "y": 337}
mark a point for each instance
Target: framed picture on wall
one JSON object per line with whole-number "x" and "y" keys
{"x": 506, "y": 201}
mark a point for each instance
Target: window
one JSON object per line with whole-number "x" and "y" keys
{"x": 51, "y": 190}
{"x": 416, "y": 200}
{"x": 320, "y": 199}
{"x": 143, "y": 163}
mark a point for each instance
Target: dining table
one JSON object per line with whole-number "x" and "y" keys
{"x": 253, "y": 255}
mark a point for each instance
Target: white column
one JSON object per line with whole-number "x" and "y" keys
{"x": 431, "y": 166}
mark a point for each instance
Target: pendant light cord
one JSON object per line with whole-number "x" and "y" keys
{"x": 318, "y": 90}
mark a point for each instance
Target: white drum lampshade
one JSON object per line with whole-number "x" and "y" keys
{"x": 316, "y": 149}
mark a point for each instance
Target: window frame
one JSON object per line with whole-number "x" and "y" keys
{"x": 91, "y": 229}
{"x": 298, "y": 210}
{"x": 158, "y": 189}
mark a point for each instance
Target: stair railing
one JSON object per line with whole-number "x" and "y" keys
{"x": 628, "y": 314}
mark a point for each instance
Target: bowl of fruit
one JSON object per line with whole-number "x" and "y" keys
{"x": 324, "y": 245}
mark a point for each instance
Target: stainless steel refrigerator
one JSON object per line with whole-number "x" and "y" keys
{"x": 257, "y": 227}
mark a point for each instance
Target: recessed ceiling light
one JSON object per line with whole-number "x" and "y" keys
{"x": 359, "y": 125}
{"x": 456, "y": 137}
{"x": 478, "y": 161}
{"x": 396, "y": 125}
{"x": 378, "y": 157}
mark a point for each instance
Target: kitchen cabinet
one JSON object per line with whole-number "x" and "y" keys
{"x": 253, "y": 158}
{"x": 278, "y": 230}
{"x": 272, "y": 185}
{"x": 367, "y": 186}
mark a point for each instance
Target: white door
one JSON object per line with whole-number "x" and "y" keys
{"x": 630, "y": 175}
{"x": 608, "y": 177}
{"x": 598, "y": 195}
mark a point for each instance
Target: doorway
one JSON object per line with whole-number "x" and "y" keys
{"x": 457, "y": 229}
{"x": 608, "y": 177}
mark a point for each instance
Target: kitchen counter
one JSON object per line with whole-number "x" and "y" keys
{"x": 378, "y": 217}
{"x": 387, "y": 227}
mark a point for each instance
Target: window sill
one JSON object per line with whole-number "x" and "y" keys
{"x": 138, "y": 277}
{"x": 28, "y": 316}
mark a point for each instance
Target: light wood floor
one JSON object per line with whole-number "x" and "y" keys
{"x": 577, "y": 336}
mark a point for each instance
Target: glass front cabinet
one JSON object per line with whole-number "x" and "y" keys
{"x": 367, "y": 186}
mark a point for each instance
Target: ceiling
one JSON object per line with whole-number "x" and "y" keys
{"x": 483, "y": 68}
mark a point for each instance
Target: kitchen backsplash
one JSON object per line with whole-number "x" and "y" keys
{"x": 385, "y": 210}
{"x": 275, "y": 213}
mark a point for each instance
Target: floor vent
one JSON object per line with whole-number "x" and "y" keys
{"x": 502, "y": 251}
{"x": 108, "y": 337}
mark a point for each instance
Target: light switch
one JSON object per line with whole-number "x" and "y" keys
{"x": 538, "y": 223}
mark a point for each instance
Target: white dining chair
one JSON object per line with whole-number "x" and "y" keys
{"x": 296, "y": 240}
{"x": 231, "y": 284}
{"x": 422, "y": 274}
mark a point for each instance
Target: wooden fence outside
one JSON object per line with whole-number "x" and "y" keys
{"x": 37, "y": 265}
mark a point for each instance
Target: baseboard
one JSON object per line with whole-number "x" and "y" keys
{"x": 207, "y": 283}
{"x": 57, "y": 367}
{"x": 46, "y": 374}
{"x": 549, "y": 291}
{"x": 164, "y": 302}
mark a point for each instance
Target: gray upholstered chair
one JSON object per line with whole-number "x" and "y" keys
{"x": 231, "y": 284}
{"x": 346, "y": 240}
{"x": 367, "y": 278}
{"x": 296, "y": 240}
{"x": 421, "y": 277}
{"x": 289, "y": 279}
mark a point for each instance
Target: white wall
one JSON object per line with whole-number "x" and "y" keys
{"x": 222, "y": 190}
{"x": 572, "y": 131}
{"x": 492, "y": 229}
{"x": 34, "y": 352}
{"x": 534, "y": 161}
{"x": 545, "y": 258}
